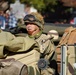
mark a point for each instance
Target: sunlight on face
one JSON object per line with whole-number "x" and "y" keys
{"x": 31, "y": 28}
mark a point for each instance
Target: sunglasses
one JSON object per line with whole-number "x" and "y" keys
{"x": 30, "y": 18}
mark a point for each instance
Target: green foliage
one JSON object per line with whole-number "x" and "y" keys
{"x": 23, "y": 1}
{"x": 40, "y": 5}
{"x": 52, "y": 2}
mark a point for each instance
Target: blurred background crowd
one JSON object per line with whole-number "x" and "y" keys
{"x": 12, "y": 12}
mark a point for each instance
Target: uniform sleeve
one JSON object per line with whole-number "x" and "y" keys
{"x": 10, "y": 36}
{"x": 20, "y": 44}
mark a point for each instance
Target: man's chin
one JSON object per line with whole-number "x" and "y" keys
{"x": 30, "y": 32}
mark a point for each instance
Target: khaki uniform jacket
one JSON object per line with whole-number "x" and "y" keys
{"x": 11, "y": 43}
{"x": 4, "y": 38}
{"x": 47, "y": 48}
{"x": 8, "y": 42}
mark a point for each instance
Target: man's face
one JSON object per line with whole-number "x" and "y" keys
{"x": 30, "y": 27}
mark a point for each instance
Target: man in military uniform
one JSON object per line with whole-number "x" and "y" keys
{"x": 31, "y": 48}
{"x": 34, "y": 25}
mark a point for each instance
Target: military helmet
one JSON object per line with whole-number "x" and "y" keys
{"x": 35, "y": 18}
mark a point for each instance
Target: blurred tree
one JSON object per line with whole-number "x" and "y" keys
{"x": 53, "y": 8}
{"x": 40, "y": 5}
